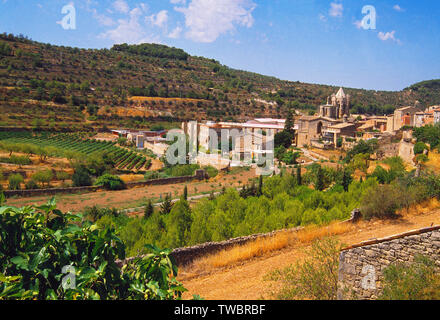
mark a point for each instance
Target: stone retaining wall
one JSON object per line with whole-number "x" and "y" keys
{"x": 48, "y": 192}
{"x": 361, "y": 266}
{"x": 185, "y": 256}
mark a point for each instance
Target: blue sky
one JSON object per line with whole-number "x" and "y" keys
{"x": 299, "y": 40}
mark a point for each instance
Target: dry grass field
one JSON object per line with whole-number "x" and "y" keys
{"x": 434, "y": 162}
{"x": 262, "y": 247}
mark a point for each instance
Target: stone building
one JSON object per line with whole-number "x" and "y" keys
{"x": 361, "y": 266}
{"x": 419, "y": 119}
{"x": 311, "y": 128}
{"x": 437, "y": 116}
{"x": 209, "y": 133}
{"x": 339, "y": 131}
{"x": 404, "y": 117}
{"x": 337, "y": 107}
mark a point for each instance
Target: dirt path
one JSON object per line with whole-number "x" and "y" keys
{"x": 245, "y": 281}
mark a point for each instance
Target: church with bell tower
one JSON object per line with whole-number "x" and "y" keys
{"x": 337, "y": 107}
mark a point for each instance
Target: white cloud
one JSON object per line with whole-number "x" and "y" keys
{"x": 121, "y": 6}
{"x": 130, "y": 30}
{"x": 206, "y": 20}
{"x": 143, "y": 6}
{"x": 322, "y": 17}
{"x": 385, "y": 36}
{"x": 104, "y": 20}
{"x": 183, "y": 2}
{"x": 175, "y": 34}
{"x": 398, "y": 8}
{"x": 160, "y": 19}
{"x": 336, "y": 10}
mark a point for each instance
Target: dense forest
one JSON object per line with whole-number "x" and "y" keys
{"x": 72, "y": 88}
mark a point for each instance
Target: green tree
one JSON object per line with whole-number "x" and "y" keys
{"x": 347, "y": 179}
{"x": 31, "y": 185}
{"x": 420, "y": 147}
{"x": 110, "y": 182}
{"x": 290, "y": 123}
{"x": 43, "y": 177}
{"x": 81, "y": 177}
{"x": 283, "y": 138}
{"x": 149, "y": 210}
{"x": 260, "y": 185}
{"x": 298, "y": 176}
{"x": 319, "y": 182}
{"x": 178, "y": 224}
{"x": 15, "y": 181}
{"x": 185, "y": 193}
{"x": 166, "y": 205}
{"x": 62, "y": 175}
{"x": 290, "y": 157}
{"x": 382, "y": 202}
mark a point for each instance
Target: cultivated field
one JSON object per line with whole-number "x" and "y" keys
{"x": 72, "y": 146}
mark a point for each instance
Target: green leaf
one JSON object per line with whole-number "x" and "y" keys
{"x": 2, "y": 199}
{"x": 37, "y": 258}
{"x": 20, "y": 262}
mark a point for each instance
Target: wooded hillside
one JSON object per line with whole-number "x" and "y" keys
{"x": 56, "y": 87}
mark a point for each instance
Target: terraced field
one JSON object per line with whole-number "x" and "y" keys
{"x": 73, "y": 146}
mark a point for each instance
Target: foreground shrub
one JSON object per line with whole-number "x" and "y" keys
{"x": 48, "y": 255}
{"x": 110, "y": 182}
{"x": 314, "y": 278}
{"x": 417, "y": 281}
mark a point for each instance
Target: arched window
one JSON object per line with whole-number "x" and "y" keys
{"x": 319, "y": 130}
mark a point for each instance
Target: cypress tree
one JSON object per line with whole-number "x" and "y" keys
{"x": 346, "y": 179}
{"x": 319, "y": 185}
{"x": 149, "y": 209}
{"x": 167, "y": 205}
{"x": 185, "y": 193}
{"x": 260, "y": 186}
{"x": 298, "y": 175}
{"x": 290, "y": 122}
